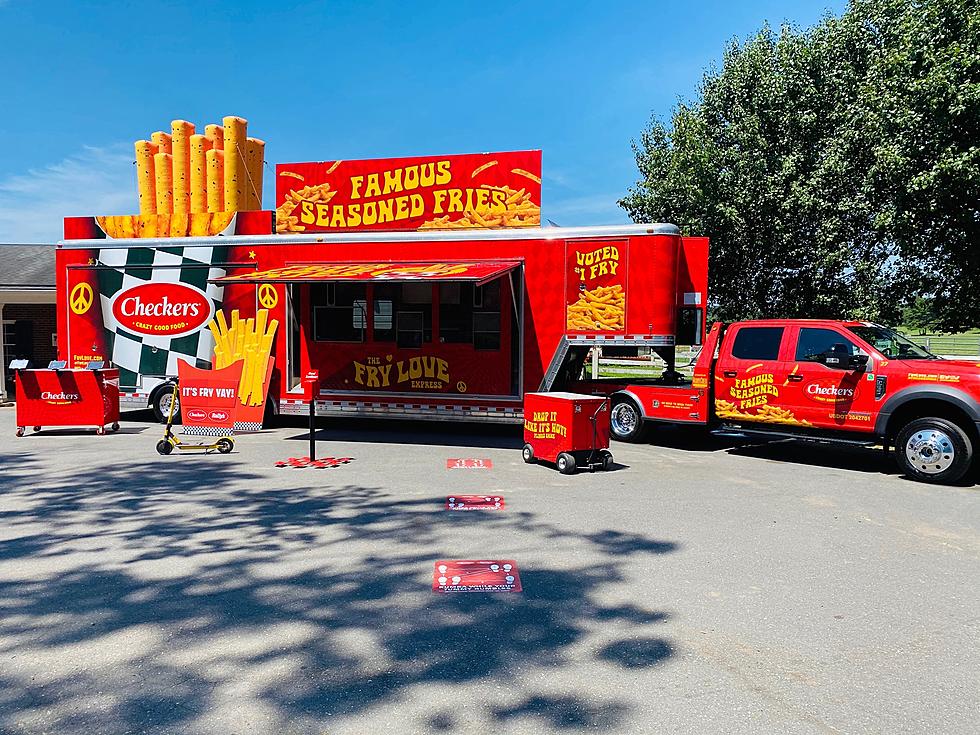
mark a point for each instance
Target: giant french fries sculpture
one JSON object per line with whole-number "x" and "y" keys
{"x": 249, "y": 340}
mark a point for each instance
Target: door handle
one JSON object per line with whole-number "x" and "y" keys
{"x": 794, "y": 378}
{"x": 730, "y": 373}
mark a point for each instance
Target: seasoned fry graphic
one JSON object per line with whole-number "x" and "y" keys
{"x": 483, "y": 168}
{"x": 236, "y": 140}
{"x": 292, "y": 175}
{"x": 249, "y": 340}
{"x": 602, "y": 308}
{"x": 286, "y": 221}
{"x": 146, "y": 176}
{"x": 527, "y": 174}
{"x": 181, "y": 132}
{"x": 767, "y": 413}
{"x": 333, "y": 167}
{"x": 518, "y": 211}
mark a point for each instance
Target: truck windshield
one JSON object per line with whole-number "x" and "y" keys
{"x": 891, "y": 344}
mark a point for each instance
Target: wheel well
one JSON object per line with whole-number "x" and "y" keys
{"x": 932, "y": 407}
{"x": 166, "y": 386}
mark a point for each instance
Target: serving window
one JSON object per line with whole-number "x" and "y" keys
{"x": 339, "y": 311}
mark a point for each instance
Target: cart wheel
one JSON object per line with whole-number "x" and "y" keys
{"x": 225, "y": 445}
{"x": 528, "y": 454}
{"x": 100, "y": 431}
{"x": 115, "y": 426}
{"x": 164, "y": 447}
{"x": 566, "y": 463}
{"x": 36, "y": 428}
{"x": 607, "y": 461}
{"x": 20, "y": 431}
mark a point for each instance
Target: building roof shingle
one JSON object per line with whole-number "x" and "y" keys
{"x": 27, "y": 266}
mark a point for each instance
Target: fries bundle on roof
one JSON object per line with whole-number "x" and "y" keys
{"x": 249, "y": 340}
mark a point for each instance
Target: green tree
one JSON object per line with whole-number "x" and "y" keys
{"x": 815, "y": 159}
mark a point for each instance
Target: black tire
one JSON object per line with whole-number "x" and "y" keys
{"x": 626, "y": 421}
{"x": 933, "y": 450}
{"x": 160, "y": 403}
{"x": 528, "y": 454}
{"x": 607, "y": 460}
{"x": 115, "y": 426}
{"x": 164, "y": 447}
{"x": 566, "y": 463}
{"x": 20, "y": 431}
{"x": 225, "y": 445}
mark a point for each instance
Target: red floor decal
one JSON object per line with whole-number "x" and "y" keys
{"x": 468, "y": 575}
{"x": 475, "y": 502}
{"x": 469, "y": 464}
{"x": 318, "y": 464}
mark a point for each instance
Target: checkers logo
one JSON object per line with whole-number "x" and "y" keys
{"x": 162, "y": 309}
{"x": 60, "y": 399}
{"x": 823, "y": 393}
{"x": 196, "y": 415}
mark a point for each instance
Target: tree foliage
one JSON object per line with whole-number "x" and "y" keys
{"x": 836, "y": 170}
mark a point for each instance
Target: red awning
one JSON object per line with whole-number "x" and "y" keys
{"x": 476, "y": 271}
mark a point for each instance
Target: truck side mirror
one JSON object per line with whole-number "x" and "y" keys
{"x": 857, "y": 362}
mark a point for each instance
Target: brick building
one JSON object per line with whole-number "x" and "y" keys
{"x": 27, "y": 308}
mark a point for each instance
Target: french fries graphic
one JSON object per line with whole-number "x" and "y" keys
{"x": 286, "y": 221}
{"x": 602, "y": 308}
{"x": 191, "y": 184}
{"x": 766, "y": 414}
{"x": 518, "y": 211}
{"x": 249, "y": 340}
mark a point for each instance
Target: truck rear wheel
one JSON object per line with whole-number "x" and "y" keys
{"x": 934, "y": 450}
{"x": 625, "y": 420}
{"x": 161, "y": 404}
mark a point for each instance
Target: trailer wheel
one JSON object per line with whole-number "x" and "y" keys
{"x": 933, "y": 450}
{"x": 625, "y": 420}
{"x": 161, "y": 403}
{"x": 566, "y": 463}
{"x": 225, "y": 445}
{"x": 528, "y": 454}
{"x": 164, "y": 447}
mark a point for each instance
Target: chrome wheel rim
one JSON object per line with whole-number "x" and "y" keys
{"x": 623, "y": 419}
{"x": 930, "y": 451}
{"x": 165, "y": 400}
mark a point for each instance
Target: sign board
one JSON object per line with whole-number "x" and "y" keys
{"x": 472, "y": 575}
{"x": 475, "y": 502}
{"x": 477, "y": 190}
{"x": 595, "y": 277}
{"x": 209, "y": 398}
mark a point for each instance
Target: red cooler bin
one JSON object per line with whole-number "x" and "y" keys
{"x": 67, "y": 398}
{"x": 568, "y": 429}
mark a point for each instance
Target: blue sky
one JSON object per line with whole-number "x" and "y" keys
{"x": 80, "y": 81}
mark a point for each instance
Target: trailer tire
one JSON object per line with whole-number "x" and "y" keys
{"x": 933, "y": 450}
{"x": 625, "y": 420}
{"x": 528, "y": 454}
{"x": 160, "y": 403}
{"x": 566, "y": 463}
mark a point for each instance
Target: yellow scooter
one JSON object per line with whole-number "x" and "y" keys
{"x": 166, "y": 445}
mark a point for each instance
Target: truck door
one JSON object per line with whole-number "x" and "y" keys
{"x": 751, "y": 374}
{"x": 827, "y": 387}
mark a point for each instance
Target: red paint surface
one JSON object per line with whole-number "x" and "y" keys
{"x": 325, "y": 463}
{"x": 475, "y": 502}
{"x": 471, "y": 575}
{"x": 469, "y": 464}
{"x": 67, "y": 397}
{"x": 209, "y": 398}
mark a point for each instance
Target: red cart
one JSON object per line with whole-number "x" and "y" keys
{"x": 569, "y": 429}
{"x": 67, "y": 398}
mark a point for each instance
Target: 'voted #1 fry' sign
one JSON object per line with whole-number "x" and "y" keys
{"x": 470, "y": 191}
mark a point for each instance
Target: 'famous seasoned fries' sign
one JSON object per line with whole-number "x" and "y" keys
{"x": 435, "y": 192}
{"x": 596, "y": 286}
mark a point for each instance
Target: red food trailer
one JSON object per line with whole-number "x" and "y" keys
{"x": 456, "y": 323}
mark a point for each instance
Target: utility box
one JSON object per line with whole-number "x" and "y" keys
{"x": 67, "y": 398}
{"x": 569, "y": 429}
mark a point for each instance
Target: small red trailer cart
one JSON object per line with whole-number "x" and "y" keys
{"x": 569, "y": 429}
{"x": 67, "y": 398}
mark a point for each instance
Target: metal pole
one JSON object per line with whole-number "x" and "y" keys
{"x": 312, "y": 428}
{"x": 595, "y": 361}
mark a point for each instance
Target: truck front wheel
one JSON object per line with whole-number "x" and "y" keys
{"x": 934, "y": 450}
{"x": 625, "y": 420}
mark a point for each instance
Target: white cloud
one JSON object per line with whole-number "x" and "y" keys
{"x": 33, "y": 205}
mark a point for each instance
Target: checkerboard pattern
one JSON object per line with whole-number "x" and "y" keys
{"x": 153, "y": 355}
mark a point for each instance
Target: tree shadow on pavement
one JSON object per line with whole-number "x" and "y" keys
{"x": 199, "y": 596}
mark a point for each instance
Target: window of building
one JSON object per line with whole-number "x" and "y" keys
{"x": 339, "y": 311}
{"x": 757, "y": 343}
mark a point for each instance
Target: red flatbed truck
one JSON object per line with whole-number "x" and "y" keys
{"x": 824, "y": 380}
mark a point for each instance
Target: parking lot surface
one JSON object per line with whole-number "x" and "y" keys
{"x": 702, "y": 586}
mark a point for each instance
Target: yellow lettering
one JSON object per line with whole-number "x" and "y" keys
{"x": 306, "y": 213}
{"x": 393, "y": 181}
{"x": 438, "y": 196}
{"x": 355, "y": 186}
{"x": 443, "y": 176}
{"x": 322, "y": 214}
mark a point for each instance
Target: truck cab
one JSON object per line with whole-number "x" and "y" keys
{"x": 847, "y": 381}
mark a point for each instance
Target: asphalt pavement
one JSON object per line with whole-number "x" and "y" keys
{"x": 702, "y": 586}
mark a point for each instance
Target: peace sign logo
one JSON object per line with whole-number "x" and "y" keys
{"x": 268, "y": 296}
{"x": 81, "y": 298}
